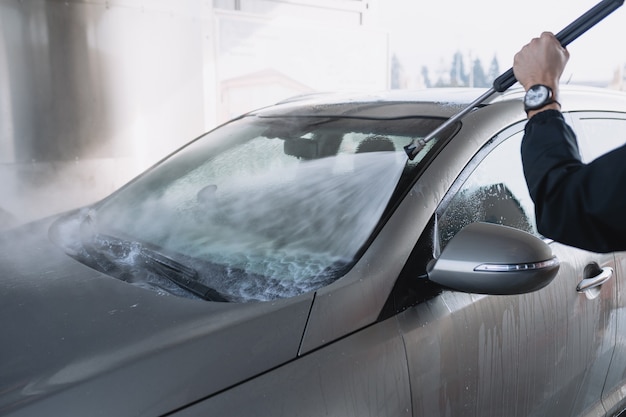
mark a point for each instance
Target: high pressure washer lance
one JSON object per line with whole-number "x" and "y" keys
{"x": 507, "y": 79}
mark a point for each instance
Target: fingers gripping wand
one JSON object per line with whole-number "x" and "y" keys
{"x": 507, "y": 79}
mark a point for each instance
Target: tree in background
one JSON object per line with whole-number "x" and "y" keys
{"x": 494, "y": 70}
{"x": 397, "y": 73}
{"x": 478, "y": 78}
{"x": 458, "y": 76}
{"x": 426, "y": 77}
{"x": 475, "y": 78}
{"x": 448, "y": 74}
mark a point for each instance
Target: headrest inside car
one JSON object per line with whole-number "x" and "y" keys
{"x": 301, "y": 148}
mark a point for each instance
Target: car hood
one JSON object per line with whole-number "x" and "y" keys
{"x": 78, "y": 342}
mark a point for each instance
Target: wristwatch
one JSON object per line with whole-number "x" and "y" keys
{"x": 538, "y": 96}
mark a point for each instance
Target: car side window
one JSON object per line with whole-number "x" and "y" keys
{"x": 599, "y": 133}
{"x": 492, "y": 189}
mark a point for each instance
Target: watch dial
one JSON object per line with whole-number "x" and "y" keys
{"x": 536, "y": 96}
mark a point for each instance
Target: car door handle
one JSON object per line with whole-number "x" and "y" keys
{"x": 588, "y": 283}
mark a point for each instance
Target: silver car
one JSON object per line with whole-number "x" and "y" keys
{"x": 295, "y": 262}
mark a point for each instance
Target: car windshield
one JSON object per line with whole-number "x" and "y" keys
{"x": 277, "y": 206}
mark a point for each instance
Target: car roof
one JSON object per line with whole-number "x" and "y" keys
{"x": 438, "y": 95}
{"x": 435, "y": 102}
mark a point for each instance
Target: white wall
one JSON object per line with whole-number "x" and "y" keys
{"x": 92, "y": 92}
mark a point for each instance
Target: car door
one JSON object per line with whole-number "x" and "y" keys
{"x": 544, "y": 353}
{"x": 598, "y": 133}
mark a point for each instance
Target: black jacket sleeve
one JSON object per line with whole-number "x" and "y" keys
{"x": 582, "y": 205}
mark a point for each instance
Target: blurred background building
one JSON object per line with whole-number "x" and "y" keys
{"x": 92, "y": 92}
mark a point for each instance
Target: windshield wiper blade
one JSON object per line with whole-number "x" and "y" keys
{"x": 182, "y": 275}
{"x": 106, "y": 250}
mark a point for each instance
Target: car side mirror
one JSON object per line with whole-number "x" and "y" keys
{"x": 486, "y": 258}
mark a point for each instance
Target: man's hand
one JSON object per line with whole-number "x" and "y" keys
{"x": 541, "y": 61}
